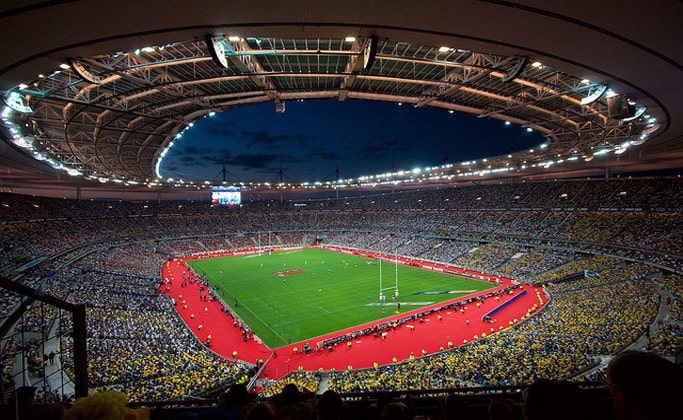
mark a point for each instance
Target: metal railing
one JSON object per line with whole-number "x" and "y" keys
{"x": 42, "y": 344}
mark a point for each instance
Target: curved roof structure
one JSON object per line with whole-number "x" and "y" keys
{"x": 101, "y": 90}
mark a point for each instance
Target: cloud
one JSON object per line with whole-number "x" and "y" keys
{"x": 265, "y": 138}
{"x": 315, "y": 137}
{"x": 198, "y": 152}
{"x": 261, "y": 137}
{"x": 220, "y": 131}
{"x": 255, "y": 161}
{"x": 250, "y": 161}
{"x": 321, "y": 154}
{"x": 217, "y": 159}
{"x": 383, "y": 148}
{"x": 302, "y": 139}
{"x": 189, "y": 160}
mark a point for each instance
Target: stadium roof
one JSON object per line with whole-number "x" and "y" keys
{"x": 108, "y": 85}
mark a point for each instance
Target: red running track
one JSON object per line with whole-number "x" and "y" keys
{"x": 426, "y": 334}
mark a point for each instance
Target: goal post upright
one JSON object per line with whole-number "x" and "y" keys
{"x": 396, "y": 261}
{"x": 381, "y": 290}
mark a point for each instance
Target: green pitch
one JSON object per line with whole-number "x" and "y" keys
{"x": 298, "y": 295}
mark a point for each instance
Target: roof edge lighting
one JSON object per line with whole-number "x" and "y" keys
{"x": 17, "y": 102}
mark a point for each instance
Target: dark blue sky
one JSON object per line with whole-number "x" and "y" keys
{"x": 312, "y": 138}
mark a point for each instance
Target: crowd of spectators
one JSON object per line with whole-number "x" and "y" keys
{"x": 533, "y": 263}
{"x": 669, "y": 337}
{"x": 486, "y": 257}
{"x": 309, "y": 381}
{"x": 640, "y": 385}
{"x": 136, "y": 342}
{"x": 579, "y": 265}
{"x": 646, "y": 236}
{"x": 583, "y": 321}
{"x": 108, "y": 256}
{"x": 129, "y": 323}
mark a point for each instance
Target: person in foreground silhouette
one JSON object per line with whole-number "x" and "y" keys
{"x": 644, "y": 386}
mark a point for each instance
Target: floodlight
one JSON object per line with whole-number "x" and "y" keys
{"x": 369, "y": 52}
{"x": 216, "y": 50}
{"x": 639, "y": 113}
{"x": 595, "y": 95}
{"x": 619, "y": 107}
{"x": 15, "y": 101}
{"x": 516, "y": 70}
{"x": 83, "y": 73}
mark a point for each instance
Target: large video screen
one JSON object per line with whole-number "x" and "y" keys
{"x": 226, "y": 196}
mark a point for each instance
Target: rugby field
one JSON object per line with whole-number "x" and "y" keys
{"x": 298, "y": 295}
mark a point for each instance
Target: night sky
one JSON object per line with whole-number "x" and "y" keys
{"x": 311, "y": 139}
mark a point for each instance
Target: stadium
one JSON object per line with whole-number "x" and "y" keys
{"x": 450, "y": 290}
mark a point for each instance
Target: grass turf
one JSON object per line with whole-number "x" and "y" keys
{"x": 332, "y": 291}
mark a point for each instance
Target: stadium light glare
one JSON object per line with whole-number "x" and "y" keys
{"x": 16, "y": 102}
{"x": 25, "y": 142}
{"x": 594, "y": 96}
{"x": 639, "y": 113}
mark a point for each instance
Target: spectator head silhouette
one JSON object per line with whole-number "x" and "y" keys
{"x": 452, "y": 407}
{"x": 395, "y": 411}
{"x": 549, "y": 399}
{"x": 290, "y": 394}
{"x": 262, "y": 411}
{"x": 329, "y": 406}
{"x": 644, "y": 386}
